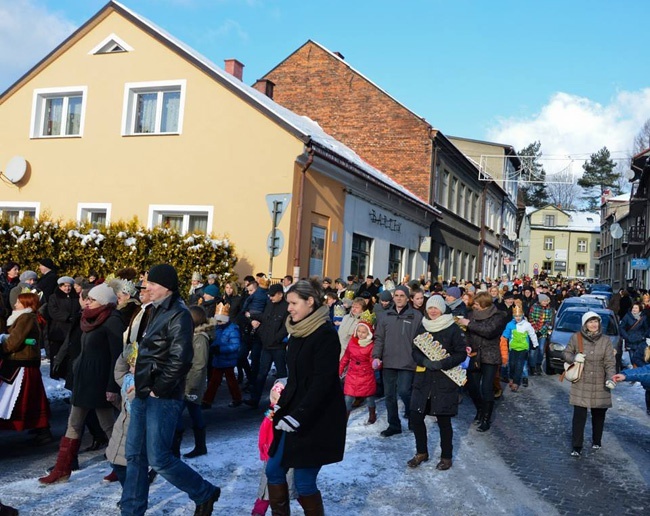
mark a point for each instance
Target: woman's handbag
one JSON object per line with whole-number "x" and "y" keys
{"x": 573, "y": 372}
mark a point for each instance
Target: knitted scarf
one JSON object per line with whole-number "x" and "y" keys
{"x": 310, "y": 323}
{"x": 92, "y": 318}
{"x": 438, "y": 324}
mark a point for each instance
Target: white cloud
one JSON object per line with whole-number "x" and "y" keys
{"x": 574, "y": 127}
{"x": 226, "y": 29}
{"x": 28, "y": 32}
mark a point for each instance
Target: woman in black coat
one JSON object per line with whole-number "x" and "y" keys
{"x": 434, "y": 393}
{"x": 484, "y": 328}
{"x": 94, "y": 383}
{"x": 310, "y": 417}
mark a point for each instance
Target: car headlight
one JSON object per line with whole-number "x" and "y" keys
{"x": 557, "y": 347}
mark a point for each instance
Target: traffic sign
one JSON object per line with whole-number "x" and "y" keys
{"x": 277, "y": 204}
{"x": 275, "y": 248}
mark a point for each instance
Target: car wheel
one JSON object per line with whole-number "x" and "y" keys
{"x": 548, "y": 368}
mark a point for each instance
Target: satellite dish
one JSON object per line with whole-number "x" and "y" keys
{"x": 616, "y": 231}
{"x": 629, "y": 175}
{"x": 512, "y": 236}
{"x": 16, "y": 169}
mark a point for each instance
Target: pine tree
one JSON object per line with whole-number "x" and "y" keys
{"x": 534, "y": 194}
{"x": 599, "y": 175}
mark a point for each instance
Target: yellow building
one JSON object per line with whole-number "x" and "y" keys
{"x": 560, "y": 242}
{"x": 123, "y": 120}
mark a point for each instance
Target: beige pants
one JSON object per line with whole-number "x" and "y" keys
{"x": 78, "y": 417}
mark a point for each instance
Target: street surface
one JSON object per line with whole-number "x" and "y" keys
{"x": 521, "y": 466}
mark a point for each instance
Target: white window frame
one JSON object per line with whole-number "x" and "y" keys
{"x": 38, "y": 109}
{"x": 20, "y": 207}
{"x": 582, "y": 245}
{"x": 131, "y": 89}
{"x": 156, "y": 211}
{"x": 114, "y": 38}
{"x": 85, "y": 209}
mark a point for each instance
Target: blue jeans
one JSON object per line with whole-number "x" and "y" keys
{"x": 397, "y": 382}
{"x": 149, "y": 442}
{"x": 304, "y": 478}
{"x": 516, "y": 363}
{"x": 536, "y": 356}
{"x": 267, "y": 358}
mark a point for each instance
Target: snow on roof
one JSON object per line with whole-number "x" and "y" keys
{"x": 578, "y": 220}
{"x": 620, "y": 198}
{"x": 301, "y": 124}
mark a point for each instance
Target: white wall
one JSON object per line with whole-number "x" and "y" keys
{"x": 357, "y": 219}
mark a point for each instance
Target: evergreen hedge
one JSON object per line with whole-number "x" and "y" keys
{"x": 79, "y": 248}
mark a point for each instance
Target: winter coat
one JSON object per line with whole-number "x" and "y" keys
{"x": 235, "y": 305}
{"x": 14, "y": 352}
{"x": 394, "y": 338}
{"x": 436, "y": 386}
{"x": 458, "y": 308}
{"x": 128, "y": 310}
{"x": 542, "y": 319}
{"x": 165, "y": 350}
{"x": 95, "y": 365}
{"x": 62, "y": 309}
{"x": 640, "y": 374}
{"x": 360, "y": 379}
{"x": 632, "y": 331}
{"x": 47, "y": 284}
{"x": 225, "y": 346}
{"x": 116, "y": 449}
{"x": 197, "y": 377}
{"x": 520, "y": 335}
{"x": 256, "y": 302}
{"x": 484, "y": 334}
{"x": 272, "y": 330}
{"x": 313, "y": 397}
{"x": 599, "y": 366}
{"x": 346, "y": 330}
{"x": 5, "y": 290}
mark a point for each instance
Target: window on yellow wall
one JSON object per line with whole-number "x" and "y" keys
{"x": 154, "y": 108}
{"x": 58, "y": 112}
{"x": 549, "y": 243}
{"x": 582, "y": 246}
{"x": 581, "y": 269}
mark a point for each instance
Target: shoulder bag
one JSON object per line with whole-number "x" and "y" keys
{"x": 573, "y": 372}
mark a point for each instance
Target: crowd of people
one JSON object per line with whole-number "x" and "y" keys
{"x": 139, "y": 346}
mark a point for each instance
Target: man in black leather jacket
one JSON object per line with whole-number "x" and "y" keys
{"x": 164, "y": 357}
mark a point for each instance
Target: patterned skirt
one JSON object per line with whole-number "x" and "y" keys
{"x": 32, "y": 409}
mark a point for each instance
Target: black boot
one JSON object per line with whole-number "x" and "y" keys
{"x": 176, "y": 444}
{"x": 98, "y": 443}
{"x": 199, "y": 444}
{"x": 279, "y": 499}
{"x": 312, "y": 504}
{"x": 205, "y": 508}
{"x": 487, "y": 416}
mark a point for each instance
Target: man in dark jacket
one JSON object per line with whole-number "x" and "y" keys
{"x": 165, "y": 355}
{"x": 47, "y": 282}
{"x": 394, "y": 336}
{"x": 272, "y": 331}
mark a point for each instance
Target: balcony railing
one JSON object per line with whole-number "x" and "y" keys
{"x": 636, "y": 234}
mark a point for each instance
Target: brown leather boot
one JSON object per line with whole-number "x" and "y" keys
{"x": 417, "y": 459}
{"x": 372, "y": 416}
{"x": 279, "y": 499}
{"x": 444, "y": 464}
{"x": 68, "y": 450}
{"x": 312, "y": 504}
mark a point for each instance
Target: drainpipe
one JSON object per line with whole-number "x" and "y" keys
{"x": 433, "y": 196}
{"x": 301, "y": 194}
{"x": 481, "y": 244}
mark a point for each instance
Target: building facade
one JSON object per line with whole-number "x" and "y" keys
{"x": 320, "y": 84}
{"x": 124, "y": 120}
{"x": 560, "y": 243}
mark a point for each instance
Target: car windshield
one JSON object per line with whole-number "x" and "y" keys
{"x": 572, "y": 321}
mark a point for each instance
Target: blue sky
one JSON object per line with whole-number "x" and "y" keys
{"x": 569, "y": 73}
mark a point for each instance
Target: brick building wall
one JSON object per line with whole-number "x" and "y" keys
{"x": 317, "y": 84}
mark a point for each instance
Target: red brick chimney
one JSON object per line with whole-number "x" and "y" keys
{"x": 234, "y": 68}
{"x": 265, "y": 86}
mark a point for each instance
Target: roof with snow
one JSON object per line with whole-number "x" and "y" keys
{"x": 584, "y": 221}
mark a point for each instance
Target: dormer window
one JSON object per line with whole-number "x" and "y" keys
{"x": 549, "y": 220}
{"x": 113, "y": 44}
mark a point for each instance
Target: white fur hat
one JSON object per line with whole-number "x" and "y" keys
{"x": 103, "y": 294}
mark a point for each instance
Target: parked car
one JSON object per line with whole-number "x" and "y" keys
{"x": 599, "y": 296}
{"x": 579, "y": 301}
{"x": 570, "y": 322}
{"x": 600, "y": 287}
